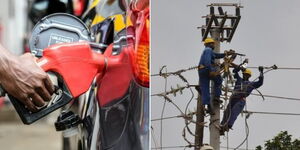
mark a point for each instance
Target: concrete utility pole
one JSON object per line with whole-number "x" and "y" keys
{"x": 199, "y": 128}
{"x": 215, "y": 119}
{"x": 220, "y": 31}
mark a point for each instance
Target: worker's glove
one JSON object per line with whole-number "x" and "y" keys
{"x": 226, "y": 52}
{"x": 261, "y": 69}
{"x": 201, "y": 67}
{"x": 242, "y": 68}
{"x": 246, "y": 61}
{"x": 213, "y": 74}
{"x": 230, "y": 52}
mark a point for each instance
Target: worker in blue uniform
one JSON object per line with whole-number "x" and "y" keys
{"x": 208, "y": 70}
{"x": 242, "y": 89}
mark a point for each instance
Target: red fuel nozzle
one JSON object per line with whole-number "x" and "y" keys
{"x": 76, "y": 63}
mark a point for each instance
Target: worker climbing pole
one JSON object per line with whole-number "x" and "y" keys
{"x": 209, "y": 70}
{"x": 242, "y": 89}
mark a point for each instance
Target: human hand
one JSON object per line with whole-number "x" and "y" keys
{"x": 246, "y": 61}
{"x": 230, "y": 52}
{"x": 244, "y": 64}
{"x": 213, "y": 74}
{"x": 26, "y": 81}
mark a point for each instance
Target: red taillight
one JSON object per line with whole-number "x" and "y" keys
{"x": 142, "y": 64}
{"x": 142, "y": 50}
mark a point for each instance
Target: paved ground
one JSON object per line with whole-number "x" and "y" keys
{"x": 16, "y": 136}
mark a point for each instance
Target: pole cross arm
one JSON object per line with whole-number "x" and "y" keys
{"x": 218, "y": 21}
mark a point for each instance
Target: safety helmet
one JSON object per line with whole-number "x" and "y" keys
{"x": 247, "y": 71}
{"x": 209, "y": 40}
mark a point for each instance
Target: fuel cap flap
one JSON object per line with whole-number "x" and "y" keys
{"x": 57, "y": 28}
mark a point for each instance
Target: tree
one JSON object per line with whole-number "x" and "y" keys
{"x": 283, "y": 141}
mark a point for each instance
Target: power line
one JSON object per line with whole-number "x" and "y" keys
{"x": 174, "y": 91}
{"x": 170, "y": 147}
{"x": 153, "y": 137}
{"x": 278, "y": 97}
{"x": 195, "y": 67}
{"x": 271, "y": 96}
{"x": 265, "y": 95}
{"x": 247, "y": 130}
{"x": 235, "y": 148}
{"x": 166, "y": 74}
{"x": 182, "y": 146}
{"x": 272, "y": 113}
{"x": 283, "y": 68}
{"x": 163, "y": 109}
{"x": 166, "y": 118}
{"x": 250, "y": 112}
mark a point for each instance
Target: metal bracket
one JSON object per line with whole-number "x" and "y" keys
{"x": 218, "y": 21}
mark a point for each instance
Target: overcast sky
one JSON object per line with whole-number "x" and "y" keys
{"x": 268, "y": 34}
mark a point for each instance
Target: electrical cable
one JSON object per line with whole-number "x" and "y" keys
{"x": 278, "y": 97}
{"x": 185, "y": 115}
{"x": 153, "y": 137}
{"x": 234, "y": 148}
{"x": 247, "y": 130}
{"x": 171, "y": 147}
{"x": 272, "y": 113}
{"x": 163, "y": 109}
{"x": 281, "y": 68}
{"x": 165, "y": 118}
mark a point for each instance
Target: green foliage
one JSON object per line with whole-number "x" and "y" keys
{"x": 283, "y": 141}
{"x": 258, "y": 148}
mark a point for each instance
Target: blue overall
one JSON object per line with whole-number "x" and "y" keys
{"x": 208, "y": 61}
{"x": 242, "y": 89}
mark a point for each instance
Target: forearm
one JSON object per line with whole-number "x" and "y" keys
{"x": 261, "y": 74}
{"x": 236, "y": 73}
{"x": 261, "y": 78}
{"x": 236, "y": 69}
{"x": 260, "y": 82}
{"x": 6, "y": 58}
{"x": 219, "y": 55}
{"x": 22, "y": 78}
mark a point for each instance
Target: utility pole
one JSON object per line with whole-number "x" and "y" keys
{"x": 199, "y": 128}
{"x": 215, "y": 119}
{"x": 220, "y": 31}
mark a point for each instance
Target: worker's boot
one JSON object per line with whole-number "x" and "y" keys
{"x": 223, "y": 129}
{"x": 227, "y": 128}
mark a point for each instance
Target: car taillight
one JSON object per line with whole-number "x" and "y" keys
{"x": 142, "y": 64}
{"x": 142, "y": 51}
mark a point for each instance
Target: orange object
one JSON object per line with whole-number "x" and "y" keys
{"x": 76, "y": 63}
{"x": 142, "y": 50}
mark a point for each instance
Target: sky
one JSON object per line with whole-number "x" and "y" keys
{"x": 268, "y": 34}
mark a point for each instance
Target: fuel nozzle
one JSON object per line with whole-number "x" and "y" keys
{"x": 68, "y": 122}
